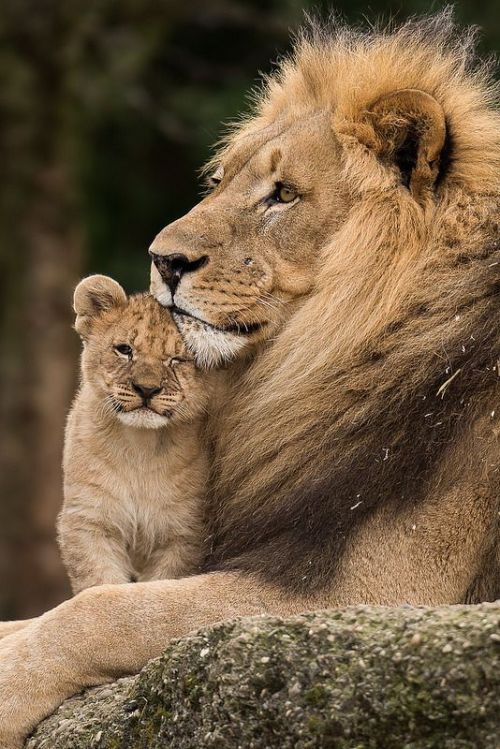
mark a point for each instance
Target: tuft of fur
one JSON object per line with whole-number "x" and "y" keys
{"x": 381, "y": 391}
{"x": 346, "y": 69}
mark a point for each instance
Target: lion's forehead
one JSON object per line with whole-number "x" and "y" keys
{"x": 291, "y": 137}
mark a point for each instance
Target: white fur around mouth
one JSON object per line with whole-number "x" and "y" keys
{"x": 234, "y": 329}
{"x": 209, "y": 345}
{"x": 143, "y": 418}
{"x": 164, "y": 297}
{"x": 159, "y": 288}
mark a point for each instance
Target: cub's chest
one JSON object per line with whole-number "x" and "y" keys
{"x": 150, "y": 495}
{"x": 158, "y": 500}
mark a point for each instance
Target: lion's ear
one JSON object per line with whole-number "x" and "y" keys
{"x": 92, "y": 296}
{"x": 407, "y": 128}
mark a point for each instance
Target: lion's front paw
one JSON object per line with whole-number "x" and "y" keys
{"x": 9, "y": 628}
{"x": 21, "y": 692}
{"x": 11, "y": 742}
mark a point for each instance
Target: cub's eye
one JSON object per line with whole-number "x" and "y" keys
{"x": 176, "y": 360}
{"x": 123, "y": 349}
{"x": 283, "y": 193}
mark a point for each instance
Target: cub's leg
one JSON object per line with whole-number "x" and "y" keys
{"x": 92, "y": 553}
{"x": 178, "y": 559}
{"x": 110, "y": 631}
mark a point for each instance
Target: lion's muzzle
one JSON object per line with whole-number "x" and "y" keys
{"x": 172, "y": 267}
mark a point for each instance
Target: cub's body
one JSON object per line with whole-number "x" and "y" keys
{"x": 133, "y": 499}
{"x": 135, "y": 468}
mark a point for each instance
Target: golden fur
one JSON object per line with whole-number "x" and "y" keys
{"x": 134, "y": 475}
{"x": 357, "y": 454}
{"x": 383, "y": 280}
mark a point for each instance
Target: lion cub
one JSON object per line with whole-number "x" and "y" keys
{"x": 134, "y": 463}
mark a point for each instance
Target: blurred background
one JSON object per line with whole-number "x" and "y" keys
{"x": 107, "y": 110}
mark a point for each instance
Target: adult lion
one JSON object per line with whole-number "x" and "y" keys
{"x": 348, "y": 257}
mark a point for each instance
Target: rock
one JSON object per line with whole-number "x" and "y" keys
{"x": 360, "y": 678}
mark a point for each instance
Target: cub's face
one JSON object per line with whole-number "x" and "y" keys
{"x": 134, "y": 357}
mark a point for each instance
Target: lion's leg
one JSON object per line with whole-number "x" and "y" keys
{"x": 106, "y": 632}
{"x": 8, "y": 628}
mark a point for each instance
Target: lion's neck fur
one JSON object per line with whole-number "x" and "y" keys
{"x": 393, "y": 357}
{"x": 361, "y": 395}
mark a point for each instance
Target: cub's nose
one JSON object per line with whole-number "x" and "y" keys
{"x": 172, "y": 267}
{"x": 145, "y": 391}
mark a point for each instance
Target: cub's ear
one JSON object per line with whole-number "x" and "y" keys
{"x": 407, "y": 129}
{"x": 92, "y": 296}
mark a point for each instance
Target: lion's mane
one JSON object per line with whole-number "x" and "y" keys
{"x": 358, "y": 401}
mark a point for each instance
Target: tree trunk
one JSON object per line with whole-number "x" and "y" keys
{"x": 40, "y": 261}
{"x": 37, "y": 378}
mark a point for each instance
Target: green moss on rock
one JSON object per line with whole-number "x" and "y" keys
{"x": 361, "y": 678}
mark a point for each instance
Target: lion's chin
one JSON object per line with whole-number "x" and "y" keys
{"x": 210, "y": 346}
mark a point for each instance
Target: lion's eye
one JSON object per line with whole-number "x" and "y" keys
{"x": 176, "y": 360}
{"x": 283, "y": 193}
{"x": 123, "y": 349}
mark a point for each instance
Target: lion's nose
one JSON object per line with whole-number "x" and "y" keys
{"x": 172, "y": 267}
{"x": 145, "y": 391}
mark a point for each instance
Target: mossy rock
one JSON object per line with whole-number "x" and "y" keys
{"x": 360, "y": 678}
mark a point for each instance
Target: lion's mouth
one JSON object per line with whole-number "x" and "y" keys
{"x": 236, "y": 328}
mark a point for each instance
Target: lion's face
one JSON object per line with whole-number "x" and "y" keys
{"x": 134, "y": 358}
{"x": 232, "y": 266}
